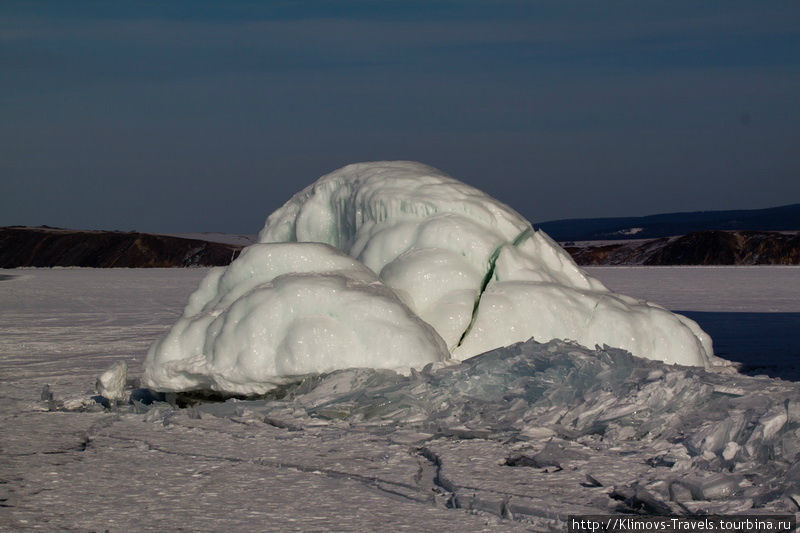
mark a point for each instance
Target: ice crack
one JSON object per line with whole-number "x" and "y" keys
{"x": 492, "y": 261}
{"x": 394, "y": 488}
{"x": 440, "y": 485}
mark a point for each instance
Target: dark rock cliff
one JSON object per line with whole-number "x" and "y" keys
{"x": 730, "y": 248}
{"x": 50, "y": 247}
{"x": 698, "y": 248}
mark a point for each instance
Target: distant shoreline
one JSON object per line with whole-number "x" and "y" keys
{"x": 45, "y": 247}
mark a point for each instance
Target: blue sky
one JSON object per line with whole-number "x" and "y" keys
{"x": 206, "y": 116}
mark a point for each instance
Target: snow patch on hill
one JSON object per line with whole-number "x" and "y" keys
{"x": 224, "y": 238}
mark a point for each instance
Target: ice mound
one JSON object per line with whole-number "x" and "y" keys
{"x": 284, "y": 310}
{"x": 472, "y": 267}
{"x": 400, "y": 265}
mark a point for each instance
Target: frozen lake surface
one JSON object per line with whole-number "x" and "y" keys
{"x": 752, "y": 313}
{"x": 756, "y": 289}
{"x": 514, "y": 440}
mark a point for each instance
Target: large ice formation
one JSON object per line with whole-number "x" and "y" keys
{"x": 284, "y": 310}
{"x": 410, "y": 266}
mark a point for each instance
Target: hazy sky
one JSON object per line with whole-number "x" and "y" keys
{"x": 177, "y": 116}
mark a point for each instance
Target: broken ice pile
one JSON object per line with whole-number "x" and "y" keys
{"x": 395, "y": 265}
{"x": 713, "y": 436}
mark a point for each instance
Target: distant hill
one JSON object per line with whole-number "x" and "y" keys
{"x": 697, "y": 248}
{"x": 670, "y": 224}
{"x": 55, "y": 247}
{"x": 43, "y": 246}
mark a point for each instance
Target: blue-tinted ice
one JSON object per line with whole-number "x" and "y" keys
{"x": 707, "y": 441}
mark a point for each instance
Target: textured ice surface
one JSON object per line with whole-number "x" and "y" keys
{"x": 714, "y": 441}
{"x": 320, "y": 461}
{"x": 562, "y": 386}
{"x": 445, "y": 247}
{"x": 472, "y": 275}
{"x": 283, "y": 310}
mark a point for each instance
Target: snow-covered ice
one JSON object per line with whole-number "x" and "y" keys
{"x": 513, "y": 440}
{"x": 111, "y": 383}
{"x": 407, "y": 268}
{"x": 395, "y": 264}
{"x": 284, "y": 310}
{"x": 753, "y": 289}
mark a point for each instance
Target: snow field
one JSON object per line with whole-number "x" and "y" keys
{"x": 355, "y": 450}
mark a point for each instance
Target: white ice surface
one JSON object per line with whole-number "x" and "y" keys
{"x": 111, "y": 383}
{"x": 427, "y": 268}
{"x": 284, "y": 310}
{"x": 760, "y": 289}
{"x": 216, "y": 467}
{"x": 444, "y": 245}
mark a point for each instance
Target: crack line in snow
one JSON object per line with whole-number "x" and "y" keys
{"x": 522, "y": 237}
{"x": 441, "y": 484}
{"x": 484, "y": 283}
{"x": 456, "y": 498}
{"x": 368, "y": 481}
{"x": 442, "y": 487}
{"x": 519, "y": 239}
